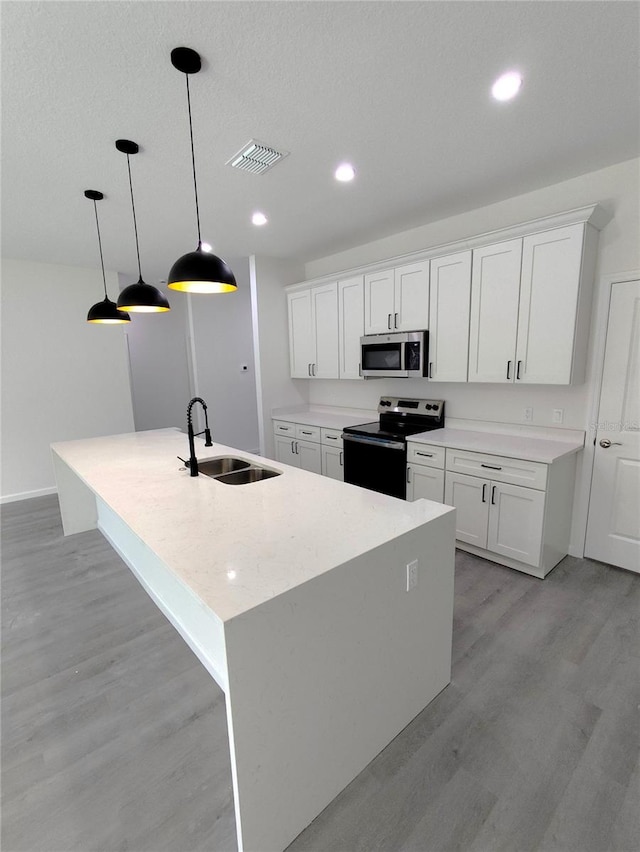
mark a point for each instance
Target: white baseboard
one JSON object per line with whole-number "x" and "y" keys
{"x": 27, "y": 495}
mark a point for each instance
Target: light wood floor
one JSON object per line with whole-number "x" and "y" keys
{"x": 114, "y": 736}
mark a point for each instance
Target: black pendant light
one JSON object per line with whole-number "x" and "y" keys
{"x": 105, "y": 312}
{"x": 198, "y": 271}
{"x": 139, "y": 297}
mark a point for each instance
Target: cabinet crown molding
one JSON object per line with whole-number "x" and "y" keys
{"x": 591, "y": 214}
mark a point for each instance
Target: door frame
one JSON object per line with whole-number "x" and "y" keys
{"x": 602, "y": 309}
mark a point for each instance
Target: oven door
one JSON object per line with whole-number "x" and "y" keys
{"x": 375, "y": 464}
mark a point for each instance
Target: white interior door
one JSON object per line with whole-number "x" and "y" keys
{"x": 613, "y": 530}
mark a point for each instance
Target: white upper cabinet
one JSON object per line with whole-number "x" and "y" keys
{"x": 449, "y": 300}
{"x": 379, "y": 302}
{"x": 551, "y": 266}
{"x": 411, "y": 290}
{"x": 313, "y": 332}
{"x": 324, "y": 323}
{"x": 300, "y": 334}
{"x": 495, "y": 293}
{"x": 350, "y": 326}
{"x": 397, "y": 299}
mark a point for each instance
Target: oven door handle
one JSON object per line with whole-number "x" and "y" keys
{"x": 376, "y": 442}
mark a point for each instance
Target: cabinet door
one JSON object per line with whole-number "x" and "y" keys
{"x": 332, "y": 463}
{"x": 324, "y": 319}
{"x": 427, "y": 482}
{"x": 378, "y": 302}
{"x": 470, "y": 496}
{"x": 350, "y": 326}
{"x": 548, "y": 305}
{"x": 411, "y": 297}
{"x": 285, "y": 451}
{"x": 515, "y": 522}
{"x": 309, "y": 456}
{"x": 449, "y": 303}
{"x": 300, "y": 334}
{"x": 495, "y": 291}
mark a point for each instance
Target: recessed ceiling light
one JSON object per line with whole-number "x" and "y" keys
{"x": 507, "y": 86}
{"x": 345, "y": 172}
{"x": 259, "y": 219}
{"x": 206, "y": 247}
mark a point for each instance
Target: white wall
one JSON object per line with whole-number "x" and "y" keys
{"x": 62, "y": 378}
{"x": 159, "y": 359}
{"x": 274, "y": 387}
{"x": 222, "y": 344}
{"x": 617, "y": 188}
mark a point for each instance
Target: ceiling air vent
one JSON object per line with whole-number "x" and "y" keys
{"x": 256, "y": 158}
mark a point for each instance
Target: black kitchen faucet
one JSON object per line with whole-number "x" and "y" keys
{"x": 192, "y": 464}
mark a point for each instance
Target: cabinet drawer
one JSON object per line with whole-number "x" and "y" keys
{"x": 331, "y": 437}
{"x": 498, "y": 468}
{"x": 427, "y": 454}
{"x": 308, "y": 433}
{"x": 282, "y": 427}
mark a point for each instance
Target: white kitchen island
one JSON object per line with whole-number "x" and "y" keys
{"x": 292, "y": 592}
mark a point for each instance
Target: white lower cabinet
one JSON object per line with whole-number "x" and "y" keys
{"x": 333, "y": 463}
{"x": 526, "y": 528}
{"x": 426, "y": 482}
{"x": 311, "y": 448}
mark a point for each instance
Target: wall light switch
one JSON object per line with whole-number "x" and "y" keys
{"x": 528, "y": 414}
{"x": 412, "y": 575}
{"x": 558, "y": 415}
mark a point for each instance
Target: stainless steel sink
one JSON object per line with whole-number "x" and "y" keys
{"x": 251, "y": 474}
{"x": 216, "y": 467}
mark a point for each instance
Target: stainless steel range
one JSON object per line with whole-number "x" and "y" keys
{"x": 375, "y": 454}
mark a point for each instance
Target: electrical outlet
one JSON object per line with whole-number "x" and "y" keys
{"x": 412, "y": 575}
{"x": 528, "y": 414}
{"x": 558, "y": 415}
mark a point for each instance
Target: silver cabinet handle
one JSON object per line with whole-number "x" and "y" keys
{"x": 408, "y": 474}
{"x": 341, "y": 457}
{"x": 395, "y": 320}
{"x": 605, "y": 443}
{"x": 508, "y": 369}
{"x": 389, "y": 322}
{"x": 484, "y": 492}
{"x": 428, "y": 455}
{"x": 490, "y": 466}
{"x": 518, "y": 370}
{"x": 493, "y": 495}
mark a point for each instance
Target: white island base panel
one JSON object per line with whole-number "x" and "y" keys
{"x": 318, "y": 679}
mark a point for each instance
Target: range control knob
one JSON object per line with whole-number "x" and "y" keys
{"x": 428, "y": 406}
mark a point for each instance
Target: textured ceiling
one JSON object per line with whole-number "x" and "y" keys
{"x": 399, "y": 88}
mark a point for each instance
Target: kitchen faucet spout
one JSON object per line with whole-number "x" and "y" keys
{"x": 193, "y": 461}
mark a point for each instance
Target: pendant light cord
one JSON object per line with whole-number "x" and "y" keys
{"x": 193, "y": 160}
{"x": 135, "y": 224}
{"x": 104, "y": 280}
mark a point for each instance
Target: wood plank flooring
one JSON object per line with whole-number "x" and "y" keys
{"x": 114, "y": 737}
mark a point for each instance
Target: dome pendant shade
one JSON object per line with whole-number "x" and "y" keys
{"x": 201, "y": 272}
{"x": 142, "y": 298}
{"x": 107, "y": 312}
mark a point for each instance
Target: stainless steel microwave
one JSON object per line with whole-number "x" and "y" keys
{"x": 398, "y": 354}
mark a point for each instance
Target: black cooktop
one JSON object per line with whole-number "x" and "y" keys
{"x": 392, "y": 432}
{"x": 400, "y": 418}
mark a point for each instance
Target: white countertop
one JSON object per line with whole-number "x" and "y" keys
{"x": 236, "y": 546}
{"x": 324, "y": 416}
{"x": 512, "y": 446}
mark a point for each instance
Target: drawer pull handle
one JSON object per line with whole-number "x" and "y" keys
{"x": 331, "y": 437}
{"x": 493, "y": 495}
{"x": 428, "y": 455}
{"x": 484, "y": 492}
{"x": 307, "y": 433}
{"x": 491, "y": 466}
